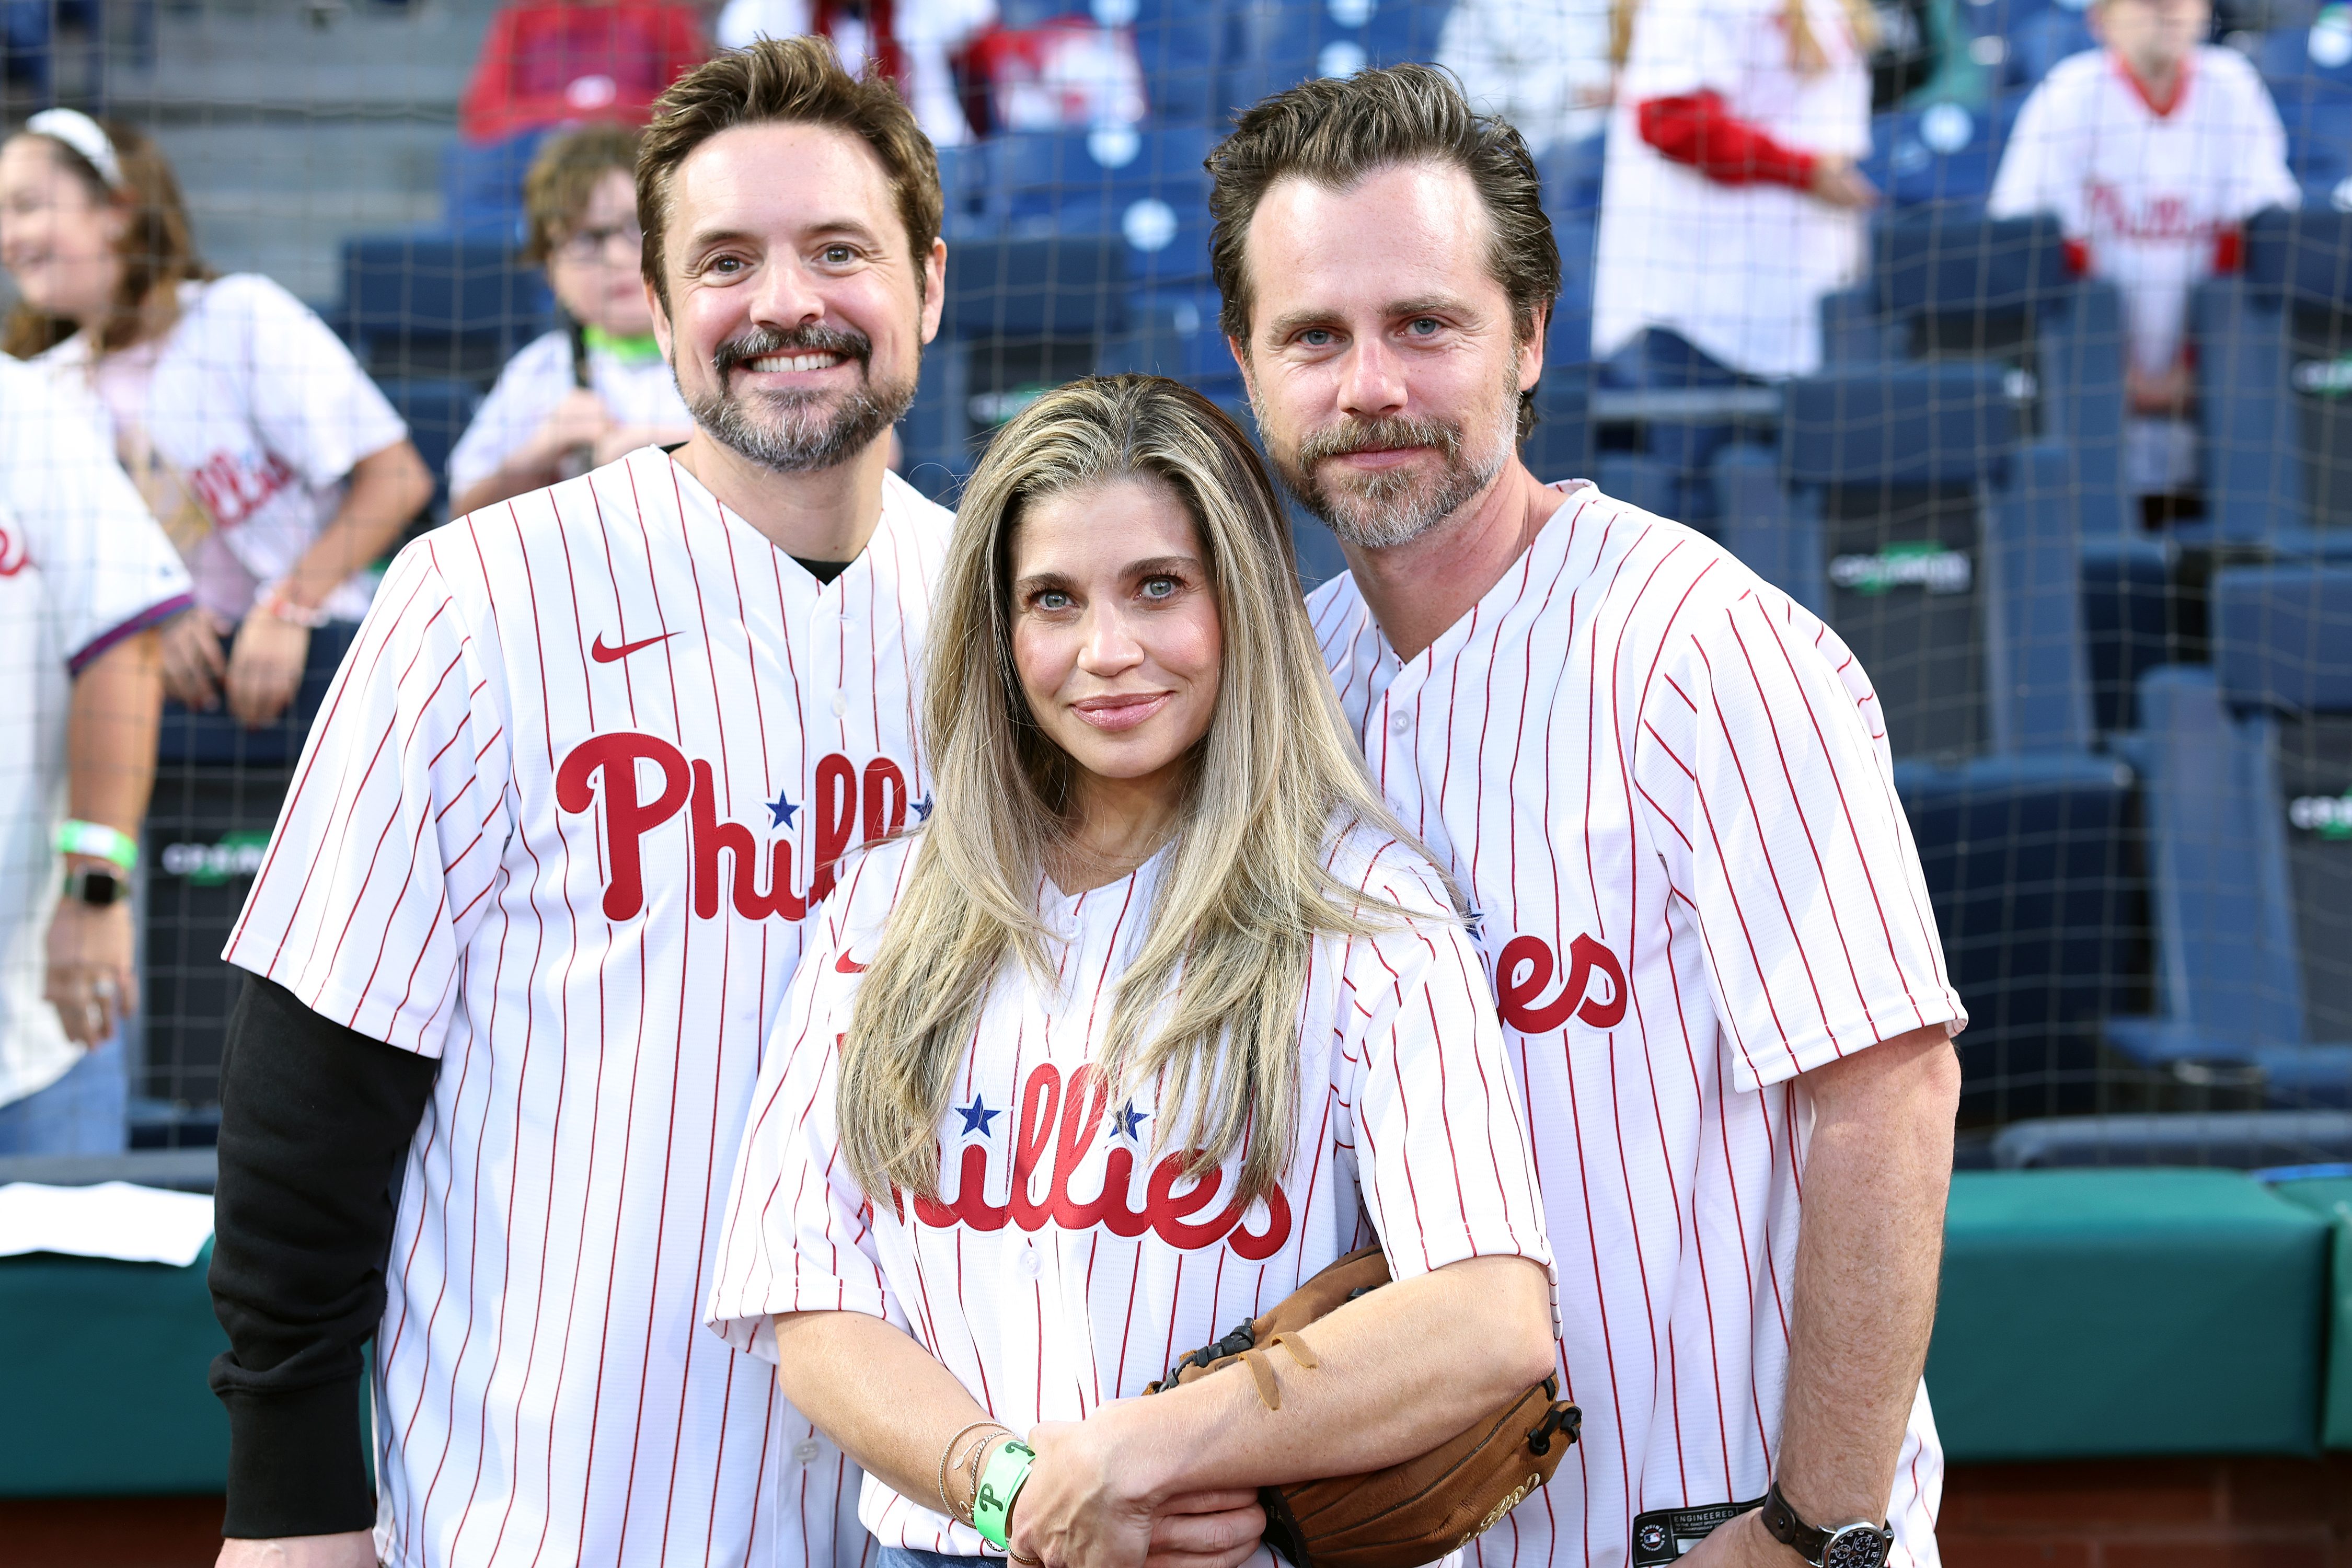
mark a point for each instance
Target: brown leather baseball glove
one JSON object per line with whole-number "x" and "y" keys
{"x": 1411, "y": 1513}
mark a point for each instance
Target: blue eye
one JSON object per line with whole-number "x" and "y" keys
{"x": 1160, "y": 588}
{"x": 1424, "y": 326}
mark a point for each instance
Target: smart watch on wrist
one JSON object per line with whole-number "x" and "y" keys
{"x": 1860, "y": 1544}
{"x": 97, "y": 886}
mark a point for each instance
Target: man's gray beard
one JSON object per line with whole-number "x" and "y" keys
{"x": 1380, "y": 511}
{"x": 799, "y": 437}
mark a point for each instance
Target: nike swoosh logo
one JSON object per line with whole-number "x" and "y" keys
{"x": 598, "y": 651}
{"x": 846, "y": 964}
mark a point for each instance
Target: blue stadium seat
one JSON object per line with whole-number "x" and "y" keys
{"x": 1177, "y": 42}
{"x": 1956, "y": 286}
{"x": 481, "y": 186}
{"x": 1943, "y": 155}
{"x": 1147, "y": 187}
{"x": 1907, "y": 507}
{"x": 437, "y": 411}
{"x": 1571, "y": 174}
{"x": 2041, "y": 41}
{"x": 438, "y": 306}
{"x": 2272, "y": 372}
{"x": 1271, "y": 44}
{"x": 2249, "y": 776}
{"x": 2236, "y": 1140}
{"x": 1022, "y": 315}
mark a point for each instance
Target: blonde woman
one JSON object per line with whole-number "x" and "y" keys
{"x": 263, "y": 448}
{"x": 1158, "y": 1013}
{"x": 1729, "y": 201}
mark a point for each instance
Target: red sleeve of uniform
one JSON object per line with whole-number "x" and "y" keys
{"x": 1695, "y": 129}
{"x": 2230, "y": 251}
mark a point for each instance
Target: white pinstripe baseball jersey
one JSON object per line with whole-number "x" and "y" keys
{"x": 586, "y": 766}
{"x": 1667, "y": 793}
{"x": 1066, "y": 1262}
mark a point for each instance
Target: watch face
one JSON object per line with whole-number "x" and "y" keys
{"x": 1855, "y": 1546}
{"x": 97, "y": 889}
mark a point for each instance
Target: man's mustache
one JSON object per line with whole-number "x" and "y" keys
{"x": 814, "y": 337}
{"x": 1352, "y": 436}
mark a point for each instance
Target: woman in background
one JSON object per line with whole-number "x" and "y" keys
{"x": 1730, "y": 204}
{"x": 597, "y": 387}
{"x": 273, "y": 463}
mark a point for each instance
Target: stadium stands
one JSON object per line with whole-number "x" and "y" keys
{"x": 2247, "y": 765}
{"x": 1910, "y": 510}
{"x": 1967, "y": 425}
{"x": 2272, "y": 373}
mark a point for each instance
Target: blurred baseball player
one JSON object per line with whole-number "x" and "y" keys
{"x": 2151, "y": 152}
{"x": 538, "y": 891}
{"x": 1664, "y": 789}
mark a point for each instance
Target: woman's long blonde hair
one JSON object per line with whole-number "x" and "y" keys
{"x": 1223, "y": 968}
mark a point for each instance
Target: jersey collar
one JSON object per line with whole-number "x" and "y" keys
{"x": 2179, "y": 89}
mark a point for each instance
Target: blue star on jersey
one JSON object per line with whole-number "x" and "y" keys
{"x": 977, "y": 1115}
{"x": 1125, "y": 1120}
{"x": 923, "y": 807}
{"x": 1477, "y": 920}
{"x": 780, "y": 812}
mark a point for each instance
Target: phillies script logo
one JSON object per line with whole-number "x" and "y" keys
{"x": 605, "y": 768}
{"x": 13, "y": 556}
{"x": 1524, "y": 972}
{"x": 1064, "y": 1117}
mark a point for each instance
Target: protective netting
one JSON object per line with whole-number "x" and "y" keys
{"x": 2121, "y": 705}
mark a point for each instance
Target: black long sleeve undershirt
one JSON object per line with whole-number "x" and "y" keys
{"x": 315, "y": 1122}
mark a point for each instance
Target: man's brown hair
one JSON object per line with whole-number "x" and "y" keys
{"x": 1336, "y": 130}
{"x": 158, "y": 248}
{"x": 563, "y": 178}
{"x": 786, "y": 82}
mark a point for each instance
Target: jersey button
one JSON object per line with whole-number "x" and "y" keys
{"x": 840, "y": 704}
{"x": 1398, "y": 722}
{"x": 806, "y": 1450}
{"x": 1030, "y": 1263}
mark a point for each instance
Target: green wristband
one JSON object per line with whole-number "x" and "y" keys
{"x": 1000, "y": 1483}
{"x": 76, "y": 838}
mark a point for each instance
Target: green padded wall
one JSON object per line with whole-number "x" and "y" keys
{"x": 107, "y": 1396}
{"x": 2123, "y": 1313}
{"x": 2333, "y": 1201}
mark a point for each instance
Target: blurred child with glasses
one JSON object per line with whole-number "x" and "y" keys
{"x": 596, "y": 387}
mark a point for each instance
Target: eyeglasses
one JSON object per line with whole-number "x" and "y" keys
{"x": 588, "y": 245}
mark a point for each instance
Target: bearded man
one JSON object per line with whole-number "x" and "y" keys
{"x": 539, "y": 889}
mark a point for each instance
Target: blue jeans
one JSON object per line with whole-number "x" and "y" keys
{"x": 81, "y": 1113}
{"x": 915, "y": 1557}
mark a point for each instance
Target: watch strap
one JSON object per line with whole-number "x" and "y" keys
{"x": 97, "y": 839}
{"x": 81, "y": 884}
{"x": 1784, "y": 1524}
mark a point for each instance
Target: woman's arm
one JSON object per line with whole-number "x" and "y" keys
{"x": 891, "y": 1406}
{"x": 110, "y": 768}
{"x": 265, "y": 664}
{"x": 1399, "y": 1371}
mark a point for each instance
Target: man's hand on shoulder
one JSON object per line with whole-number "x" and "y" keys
{"x": 351, "y": 1549}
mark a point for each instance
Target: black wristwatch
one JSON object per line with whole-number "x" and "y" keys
{"x": 1857, "y": 1545}
{"x": 95, "y": 885}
